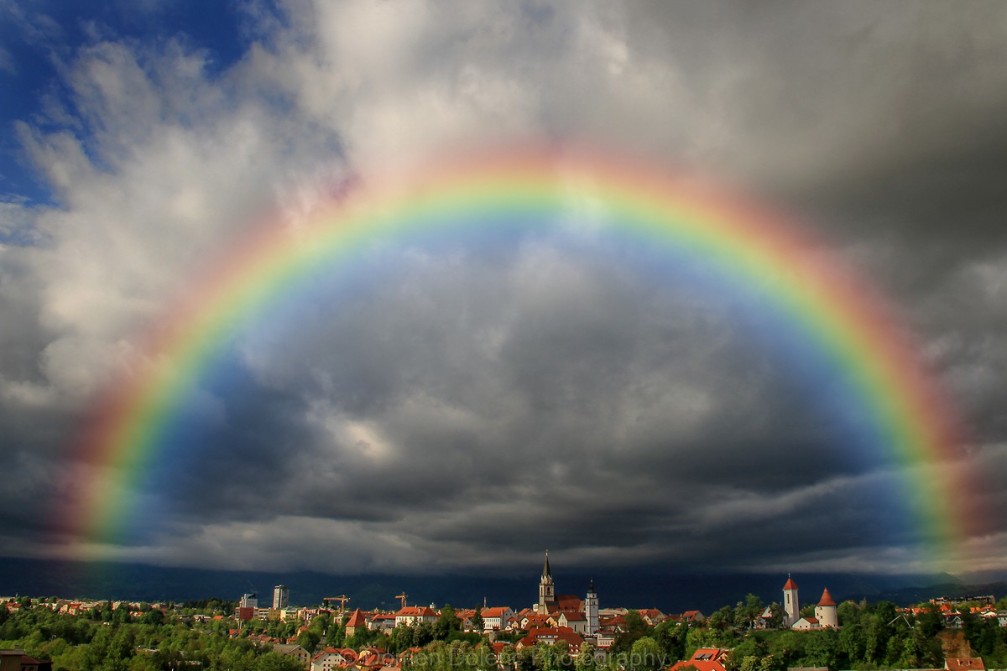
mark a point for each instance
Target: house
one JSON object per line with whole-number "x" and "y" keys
{"x": 17, "y": 660}
{"x": 332, "y": 658}
{"x": 552, "y": 636}
{"x": 693, "y": 617}
{"x": 536, "y": 621}
{"x": 496, "y": 618}
{"x": 1002, "y": 618}
{"x": 575, "y": 621}
{"x": 653, "y": 616}
{"x": 302, "y": 656}
{"x": 806, "y": 624}
{"x": 413, "y": 615}
{"x": 383, "y": 622}
{"x": 964, "y": 664}
{"x": 704, "y": 659}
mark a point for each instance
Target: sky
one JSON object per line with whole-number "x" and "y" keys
{"x": 463, "y": 408}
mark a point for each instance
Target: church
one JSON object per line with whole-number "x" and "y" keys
{"x": 568, "y": 610}
{"x": 826, "y": 615}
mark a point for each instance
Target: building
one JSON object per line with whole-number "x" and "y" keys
{"x": 302, "y": 656}
{"x": 964, "y": 664}
{"x": 574, "y": 621}
{"x": 546, "y": 590}
{"x": 552, "y": 636}
{"x": 17, "y": 660}
{"x": 495, "y": 619}
{"x": 704, "y": 659}
{"x": 249, "y": 601}
{"x": 281, "y": 597}
{"x": 825, "y": 611}
{"x": 357, "y": 622}
{"x": 591, "y": 609}
{"x": 413, "y": 615}
{"x": 791, "y": 603}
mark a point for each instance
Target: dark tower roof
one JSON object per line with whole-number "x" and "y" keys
{"x": 590, "y": 586}
{"x": 546, "y": 572}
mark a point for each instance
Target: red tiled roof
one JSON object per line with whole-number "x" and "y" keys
{"x": 964, "y": 664}
{"x": 790, "y": 584}
{"x": 555, "y": 634}
{"x": 704, "y": 659}
{"x": 826, "y": 599}
{"x": 357, "y": 619}
{"x": 496, "y": 611}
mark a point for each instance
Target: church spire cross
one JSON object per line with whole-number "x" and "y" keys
{"x": 546, "y": 571}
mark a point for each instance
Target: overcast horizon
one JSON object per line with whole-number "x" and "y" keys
{"x": 463, "y": 407}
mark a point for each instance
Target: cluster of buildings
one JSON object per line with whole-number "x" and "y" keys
{"x": 553, "y": 619}
{"x": 953, "y": 611}
{"x": 826, "y": 615}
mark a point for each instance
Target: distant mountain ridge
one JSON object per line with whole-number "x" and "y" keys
{"x": 671, "y": 593}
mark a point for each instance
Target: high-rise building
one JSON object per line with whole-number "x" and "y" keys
{"x": 281, "y": 597}
{"x": 249, "y": 600}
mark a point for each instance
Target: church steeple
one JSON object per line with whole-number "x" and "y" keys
{"x": 546, "y": 589}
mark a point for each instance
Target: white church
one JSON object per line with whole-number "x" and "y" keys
{"x": 825, "y": 617}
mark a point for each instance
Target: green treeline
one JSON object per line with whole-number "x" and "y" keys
{"x": 872, "y": 636}
{"x": 112, "y": 640}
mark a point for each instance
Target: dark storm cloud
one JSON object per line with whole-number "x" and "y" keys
{"x": 479, "y": 434}
{"x": 431, "y": 409}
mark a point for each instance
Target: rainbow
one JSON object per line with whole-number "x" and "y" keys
{"x": 834, "y": 310}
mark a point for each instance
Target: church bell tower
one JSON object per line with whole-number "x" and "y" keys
{"x": 546, "y": 590}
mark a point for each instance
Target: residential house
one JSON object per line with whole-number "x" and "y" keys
{"x": 552, "y": 636}
{"x": 575, "y": 621}
{"x": 414, "y": 615}
{"x": 704, "y": 659}
{"x": 302, "y": 656}
{"x": 496, "y": 618}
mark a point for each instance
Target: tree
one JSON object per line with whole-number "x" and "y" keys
{"x": 309, "y": 640}
{"x": 776, "y": 613}
{"x": 447, "y": 624}
{"x": 274, "y": 661}
{"x": 634, "y": 627}
{"x": 586, "y": 660}
{"x": 477, "y": 620}
{"x": 645, "y": 655}
{"x": 671, "y": 637}
{"x": 746, "y": 612}
{"x": 153, "y": 617}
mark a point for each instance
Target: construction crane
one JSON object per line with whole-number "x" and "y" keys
{"x": 402, "y": 598}
{"x": 342, "y": 599}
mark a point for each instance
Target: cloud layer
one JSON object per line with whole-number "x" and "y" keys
{"x": 463, "y": 407}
